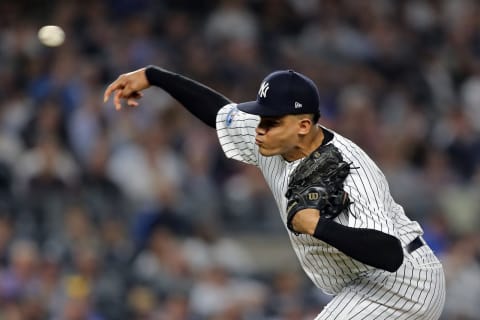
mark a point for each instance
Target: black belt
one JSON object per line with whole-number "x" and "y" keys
{"x": 414, "y": 245}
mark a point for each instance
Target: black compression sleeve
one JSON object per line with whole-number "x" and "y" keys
{"x": 203, "y": 102}
{"x": 372, "y": 247}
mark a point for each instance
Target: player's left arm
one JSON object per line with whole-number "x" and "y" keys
{"x": 372, "y": 247}
{"x": 320, "y": 189}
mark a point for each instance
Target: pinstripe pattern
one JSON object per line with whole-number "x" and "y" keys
{"x": 415, "y": 291}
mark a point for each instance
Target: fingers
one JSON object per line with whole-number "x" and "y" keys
{"x": 132, "y": 100}
{"x": 107, "y": 93}
{"x": 116, "y": 85}
{"x": 127, "y": 91}
{"x": 136, "y": 95}
{"x": 122, "y": 89}
{"x": 116, "y": 100}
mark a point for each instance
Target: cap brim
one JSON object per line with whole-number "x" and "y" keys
{"x": 253, "y": 107}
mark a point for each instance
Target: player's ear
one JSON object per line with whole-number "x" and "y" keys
{"x": 305, "y": 124}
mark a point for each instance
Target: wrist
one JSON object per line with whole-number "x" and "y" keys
{"x": 322, "y": 224}
{"x": 305, "y": 221}
{"x": 150, "y": 73}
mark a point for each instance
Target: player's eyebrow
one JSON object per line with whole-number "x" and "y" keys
{"x": 270, "y": 121}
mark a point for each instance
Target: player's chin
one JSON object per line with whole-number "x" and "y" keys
{"x": 266, "y": 152}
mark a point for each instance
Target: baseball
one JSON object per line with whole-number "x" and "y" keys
{"x": 51, "y": 36}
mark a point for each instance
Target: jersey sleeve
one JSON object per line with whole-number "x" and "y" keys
{"x": 371, "y": 205}
{"x": 236, "y": 134}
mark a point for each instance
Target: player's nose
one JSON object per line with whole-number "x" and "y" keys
{"x": 260, "y": 131}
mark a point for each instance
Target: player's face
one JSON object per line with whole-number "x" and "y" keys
{"x": 277, "y": 135}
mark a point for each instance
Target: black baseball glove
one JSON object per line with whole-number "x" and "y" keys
{"x": 317, "y": 183}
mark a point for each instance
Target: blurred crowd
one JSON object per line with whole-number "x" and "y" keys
{"x": 134, "y": 214}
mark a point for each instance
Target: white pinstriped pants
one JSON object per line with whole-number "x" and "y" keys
{"x": 415, "y": 291}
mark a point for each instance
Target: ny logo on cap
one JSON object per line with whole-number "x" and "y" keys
{"x": 262, "y": 92}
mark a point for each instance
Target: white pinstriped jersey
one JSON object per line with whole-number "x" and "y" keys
{"x": 373, "y": 206}
{"x": 415, "y": 291}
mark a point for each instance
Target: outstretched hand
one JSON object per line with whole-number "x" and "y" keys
{"x": 128, "y": 86}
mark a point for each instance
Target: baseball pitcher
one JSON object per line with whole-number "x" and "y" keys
{"x": 350, "y": 236}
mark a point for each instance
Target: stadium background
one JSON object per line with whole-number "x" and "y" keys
{"x": 137, "y": 214}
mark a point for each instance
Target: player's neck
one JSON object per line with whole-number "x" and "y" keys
{"x": 307, "y": 145}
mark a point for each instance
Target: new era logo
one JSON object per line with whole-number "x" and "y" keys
{"x": 298, "y": 105}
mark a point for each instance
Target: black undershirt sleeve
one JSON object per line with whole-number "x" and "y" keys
{"x": 203, "y": 102}
{"x": 369, "y": 246}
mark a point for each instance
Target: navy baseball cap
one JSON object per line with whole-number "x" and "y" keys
{"x": 284, "y": 92}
